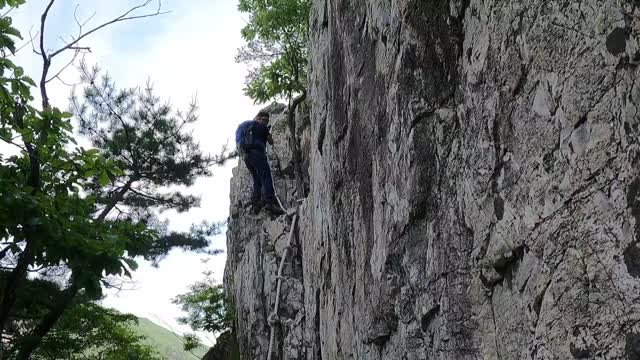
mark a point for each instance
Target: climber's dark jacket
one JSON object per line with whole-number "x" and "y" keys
{"x": 255, "y": 157}
{"x": 259, "y": 138}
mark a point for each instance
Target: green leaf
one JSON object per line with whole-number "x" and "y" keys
{"x": 7, "y": 42}
{"x": 15, "y": 3}
{"x": 92, "y": 152}
{"x": 29, "y": 80}
{"x": 104, "y": 178}
{"x": 28, "y": 136}
{"x": 132, "y": 264}
{"x": 117, "y": 171}
{"x": 14, "y": 32}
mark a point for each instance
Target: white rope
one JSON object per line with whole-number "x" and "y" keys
{"x": 273, "y": 318}
{"x": 280, "y": 202}
{"x": 275, "y": 192}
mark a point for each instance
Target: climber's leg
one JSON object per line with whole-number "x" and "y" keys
{"x": 268, "y": 192}
{"x": 262, "y": 168}
{"x": 249, "y": 160}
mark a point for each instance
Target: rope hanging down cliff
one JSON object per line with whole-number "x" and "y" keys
{"x": 274, "y": 188}
{"x": 273, "y": 318}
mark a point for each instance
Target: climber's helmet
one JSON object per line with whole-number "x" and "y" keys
{"x": 263, "y": 117}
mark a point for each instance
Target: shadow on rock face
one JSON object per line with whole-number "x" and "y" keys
{"x": 617, "y": 41}
{"x": 632, "y": 348}
{"x": 632, "y": 259}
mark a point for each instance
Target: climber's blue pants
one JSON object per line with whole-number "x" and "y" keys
{"x": 258, "y": 165}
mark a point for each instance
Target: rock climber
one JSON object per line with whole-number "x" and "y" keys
{"x": 252, "y": 137}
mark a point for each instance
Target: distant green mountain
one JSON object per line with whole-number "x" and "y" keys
{"x": 166, "y": 342}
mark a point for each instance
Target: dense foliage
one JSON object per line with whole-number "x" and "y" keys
{"x": 85, "y": 212}
{"x": 277, "y": 36}
{"x": 206, "y": 307}
{"x": 91, "y": 332}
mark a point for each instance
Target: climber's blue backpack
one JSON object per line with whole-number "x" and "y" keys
{"x": 245, "y": 139}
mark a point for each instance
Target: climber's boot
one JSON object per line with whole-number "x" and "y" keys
{"x": 274, "y": 208}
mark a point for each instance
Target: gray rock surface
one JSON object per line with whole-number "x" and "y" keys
{"x": 475, "y": 192}
{"x": 255, "y": 244}
{"x": 226, "y": 348}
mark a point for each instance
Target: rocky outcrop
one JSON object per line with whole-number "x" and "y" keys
{"x": 255, "y": 244}
{"x": 474, "y": 187}
{"x": 226, "y": 348}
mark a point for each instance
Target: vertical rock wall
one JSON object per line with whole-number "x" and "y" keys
{"x": 255, "y": 244}
{"x": 475, "y": 191}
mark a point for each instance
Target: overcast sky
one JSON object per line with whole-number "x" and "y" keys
{"x": 185, "y": 53}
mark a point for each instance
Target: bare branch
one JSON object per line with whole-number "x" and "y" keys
{"x": 8, "y": 11}
{"x": 115, "y": 200}
{"x": 120, "y": 284}
{"x": 42, "y": 22}
{"x": 4, "y": 251}
{"x": 120, "y": 213}
{"x": 26, "y": 43}
{"x": 32, "y": 37}
{"x": 141, "y": 194}
{"x": 73, "y": 43}
{"x": 57, "y": 75}
{"x": 31, "y": 132}
{"x": 22, "y": 47}
{"x": 82, "y": 23}
{"x": 124, "y": 17}
{"x": 46, "y": 60}
{"x": 11, "y": 142}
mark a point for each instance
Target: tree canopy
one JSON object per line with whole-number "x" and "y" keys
{"x": 91, "y": 332}
{"x": 277, "y": 36}
{"x": 206, "y": 307}
{"x": 88, "y": 212}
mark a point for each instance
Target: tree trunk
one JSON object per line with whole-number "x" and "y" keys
{"x": 34, "y": 340}
{"x": 14, "y": 282}
{"x": 28, "y": 255}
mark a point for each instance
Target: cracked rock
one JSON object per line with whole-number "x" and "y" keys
{"x": 484, "y": 156}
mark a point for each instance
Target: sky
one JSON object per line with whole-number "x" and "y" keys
{"x": 187, "y": 53}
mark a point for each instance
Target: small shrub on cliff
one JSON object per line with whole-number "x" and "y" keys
{"x": 277, "y": 36}
{"x": 206, "y": 307}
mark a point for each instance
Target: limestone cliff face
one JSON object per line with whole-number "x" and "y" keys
{"x": 475, "y": 191}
